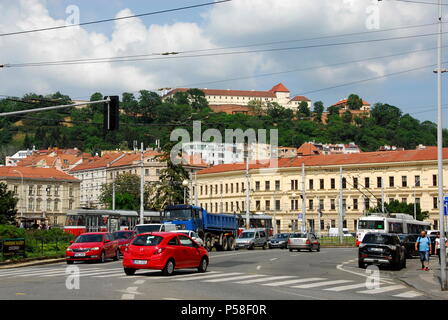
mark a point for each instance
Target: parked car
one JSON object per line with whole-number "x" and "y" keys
{"x": 280, "y": 240}
{"x": 123, "y": 238}
{"x": 93, "y": 246}
{"x": 164, "y": 251}
{"x": 382, "y": 249}
{"x": 408, "y": 241}
{"x": 307, "y": 241}
{"x": 252, "y": 238}
{"x": 193, "y": 235}
{"x": 154, "y": 227}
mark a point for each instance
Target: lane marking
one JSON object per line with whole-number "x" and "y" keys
{"x": 282, "y": 283}
{"x": 235, "y": 278}
{"x": 208, "y": 276}
{"x": 341, "y": 268}
{"x": 264, "y": 279}
{"x": 321, "y": 284}
{"x": 139, "y": 282}
{"x": 26, "y": 272}
{"x": 408, "y": 294}
{"x": 383, "y": 289}
{"x": 348, "y": 287}
{"x": 127, "y": 296}
{"x": 273, "y": 259}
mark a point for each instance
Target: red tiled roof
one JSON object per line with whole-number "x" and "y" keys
{"x": 300, "y": 98}
{"x": 35, "y": 173}
{"x": 95, "y": 163}
{"x": 129, "y": 158}
{"x": 279, "y": 88}
{"x": 307, "y": 149}
{"x": 428, "y": 154}
{"x": 344, "y": 101}
{"x": 49, "y": 161}
{"x": 238, "y": 93}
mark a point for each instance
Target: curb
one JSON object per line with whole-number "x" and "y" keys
{"x": 19, "y": 264}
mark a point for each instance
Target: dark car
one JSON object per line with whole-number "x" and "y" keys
{"x": 408, "y": 241}
{"x": 124, "y": 238}
{"x": 280, "y": 240}
{"x": 382, "y": 249}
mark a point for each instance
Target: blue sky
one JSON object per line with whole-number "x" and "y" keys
{"x": 240, "y": 22}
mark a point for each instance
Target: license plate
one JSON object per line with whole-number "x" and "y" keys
{"x": 140, "y": 262}
{"x": 376, "y": 249}
{"x": 82, "y": 254}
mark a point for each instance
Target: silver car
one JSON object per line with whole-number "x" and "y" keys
{"x": 306, "y": 241}
{"x": 252, "y": 238}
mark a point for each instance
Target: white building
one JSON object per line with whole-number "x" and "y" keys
{"x": 279, "y": 94}
{"x": 18, "y": 156}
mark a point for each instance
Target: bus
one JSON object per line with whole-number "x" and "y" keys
{"x": 91, "y": 220}
{"x": 256, "y": 221}
{"x": 391, "y": 223}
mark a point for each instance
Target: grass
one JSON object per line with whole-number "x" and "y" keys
{"x": 335, "y": 241}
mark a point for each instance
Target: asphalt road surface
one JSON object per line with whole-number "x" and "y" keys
{"x": 237, "y": 275}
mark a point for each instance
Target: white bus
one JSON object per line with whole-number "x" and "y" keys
{"x": 392, "y": 223}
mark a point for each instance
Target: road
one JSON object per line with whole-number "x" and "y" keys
{"x": 238, "y": 275}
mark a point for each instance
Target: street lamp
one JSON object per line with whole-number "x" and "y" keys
{"x": 23, "y": 191}
{"x": 185, "y": 185}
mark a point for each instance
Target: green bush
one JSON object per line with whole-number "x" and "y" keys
{"x": 8, "y": 231}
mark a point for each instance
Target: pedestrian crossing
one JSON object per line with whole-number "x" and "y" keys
{"x": 220, "y": 277}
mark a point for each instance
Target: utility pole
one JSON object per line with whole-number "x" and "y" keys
{"x": 196, "y": 190}
{"x": 113, "y": 192}
{"x": 304, "y": 229}
{"x": 341, "y": 208}
{"x": 247, "y": 195}
{"x": 319, "y": 216}
{"x": 440, "y": 154}
{"x": 382, "y": 195}
{"x": 415, "y": 207}
{"x": 142, "y": 185}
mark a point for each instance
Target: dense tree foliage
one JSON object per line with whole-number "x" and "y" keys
{"x": 403, "y": 207}
{"x": 7, "y": 205}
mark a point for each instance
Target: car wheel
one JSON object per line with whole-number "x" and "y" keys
{"x": 361, "y": 264}
{"x": 129, "y": 271}
{"x": 203, "y": 265}
{"x": 264, "y": 246}
{"x": 290, "y": 250}
{"x": 103, "y": 257}
{"x": 318, "y": 248}
{"x": 117, "y": 255}
{"x": 231, "y": 243}
{"x": 70, "y": 261}
{"x": 208, "y": 242}
{"x": 252, "y": 247}
{"x": 225, "y": 244}
{"x": 169, "y": 268}
{"x": 270, "y": 247}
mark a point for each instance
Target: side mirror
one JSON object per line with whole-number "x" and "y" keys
{"x": 106, "y": 241}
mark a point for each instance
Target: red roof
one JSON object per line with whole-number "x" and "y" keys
{"x": 307, "y": 149}
{"x": 129, "y": 158}
{"x": 94, "y": 163}
{"x": 35, "y": 173}
{"x": 239, "y": 93}
{"x": 300, "y": 98}
{"x": 279, "y": 88}
{"x": 344, "y": 101}
{"x": 428, "y": 154}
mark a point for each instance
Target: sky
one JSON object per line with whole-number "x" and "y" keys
{"x": 326, "y": 70}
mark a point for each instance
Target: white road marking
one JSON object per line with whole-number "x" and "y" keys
{"x": 321, "y": 284}
{"x": 22, "y": 272}
{"x": 283, "y": 283}
{"x": 235, "y": 278}
{"x": 408, "y": 294}
{"x": 347, "y": 287}
{"x": 171, "y": 299}
{"x": 273, "y": 259}
{"x": 139, "y": 282}
{"x": 194, "y": 274}
{"x": 127, "y": 296}
{"x": 264, "y": 279}
{"x": 208, "y": 276}
{"x": 111, "y": 275}
{"x": 383, "y": 289}
{"x": 364, "y": 274}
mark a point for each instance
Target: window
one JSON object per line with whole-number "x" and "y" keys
{"x": 321, "y": 184}
{"x": 39, "y": 190}
{"x": 332, "y": 204}
{"x": 267, "y": 185}
{"x": 146, "y": 172}
{"x": 333, "y": 223}
{"x": 70, "y": 192}
{"x": 366, "y": 204}
{"x": 321, "y": 204}
{"x": 322, "y": 225}
{"x": 404, "y": 200}
{"x": 31, "y": 190}
{"x": 355, "y": 204}
{"x": 379, "y": 182}
{"x": 367, "y": 182}
{"x": 231, "y": 188}
{"x": 311, "y": 204}
{"x": 277, "y": 185}
{"x": 48, "y": 205}
{"x": 333, "y": 184}
{"x": 268, "y": 205}
{"x": 277, "y": 205}
{"x": 70, "y": 205}
{"x": 391, "y": 182}
{"x": 434, "y": 180}
{"x": 294, "y": 184}
{"x": 355, "y": 183}
{"x": 435, "y": 202}
{"x": 404, "y": 181}
{"x": 237, "y": 185}
{"x": 16, "y": 188}
{"x": 344, "y": 183}
{"x": 344, "y": 224}
{"x": 294, "y": 204}
{"x": 311, "y": 183}
{"x": 173, "y": 242}
{"x": 257, "y": 185}
{"x": 56, "y": 205}
{"x": 38, "y": 201}
{"x": 417, "y": 201}
{"x": 257, "y": 205}
{"x": 417, "y": 181}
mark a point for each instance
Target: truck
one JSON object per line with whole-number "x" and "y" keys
{"x": 218, "y": 231}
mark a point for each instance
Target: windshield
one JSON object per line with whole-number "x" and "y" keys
{"x": 282, "y": 236}
{"x": 75, "y": 221}
{"x": 148, "y": 228}
{"x": 247, "y": 235}
{"x": 371, "y": 224}
{"x": 89, "y": 238}
{"x": 298, "y": 235}
{"x": 178, "y": 214}
{"x": 378, "y": 239}
{"x": 122, "y": 235}
{"x": 147, "y": 240}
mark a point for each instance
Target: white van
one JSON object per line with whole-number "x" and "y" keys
{"x": 334, "y": 232}
{"x": 154, "y": 227}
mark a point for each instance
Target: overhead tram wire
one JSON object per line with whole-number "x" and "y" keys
{"x": 234, "y": 47}
{"x": 81, "y": 62}
{"x": 417, "y": 2}
{"x": 115, "y": 19}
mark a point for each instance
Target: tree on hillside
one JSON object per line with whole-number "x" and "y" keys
{"x": 319, "y": 110}
{"x": 303, "y": 110}
{"x": 256, "y": 107}
{"x": 129, "y": 104}
{"x": 354, "y": 102}
{"x": 402, "y": 207}
{"x": 8, "y": 205}
{"x": 147, "y": 101}
{"x": 333, "y": 111}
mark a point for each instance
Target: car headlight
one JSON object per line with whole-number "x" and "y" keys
{"x": 69, "y": 250}
{"x": 93, "y": 249}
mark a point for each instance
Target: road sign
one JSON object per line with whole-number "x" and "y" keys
{"x": 445, "y": 206}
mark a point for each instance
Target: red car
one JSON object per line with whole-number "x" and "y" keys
{"x": 93, "y": 246}
{"x": 123, "y": 238}
{"x": 164, "y": 251}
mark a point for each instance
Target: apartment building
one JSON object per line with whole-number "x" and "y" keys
{"x": 408, "y": 176}
{"x": 44, "y": 194}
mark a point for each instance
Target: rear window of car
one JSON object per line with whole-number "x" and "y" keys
{"x": 379, "y": 239}
{"x": 298, "y": 235}
{"x": 147, "y": 240}
{"x": 282, "y": 236}
{"x": 123, "y": 235}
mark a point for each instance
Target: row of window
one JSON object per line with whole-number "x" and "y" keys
{"x": 38, "y": 190}
{"x": 36, "y": 205}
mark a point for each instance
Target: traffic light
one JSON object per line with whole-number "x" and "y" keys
{"x": 111, "y": 113}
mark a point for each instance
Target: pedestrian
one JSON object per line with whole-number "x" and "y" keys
{"x": 437, "y": 244}
{"x": 423, "y": 246}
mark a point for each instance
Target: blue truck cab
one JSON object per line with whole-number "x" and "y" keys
{"x": 216, "y": 230}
